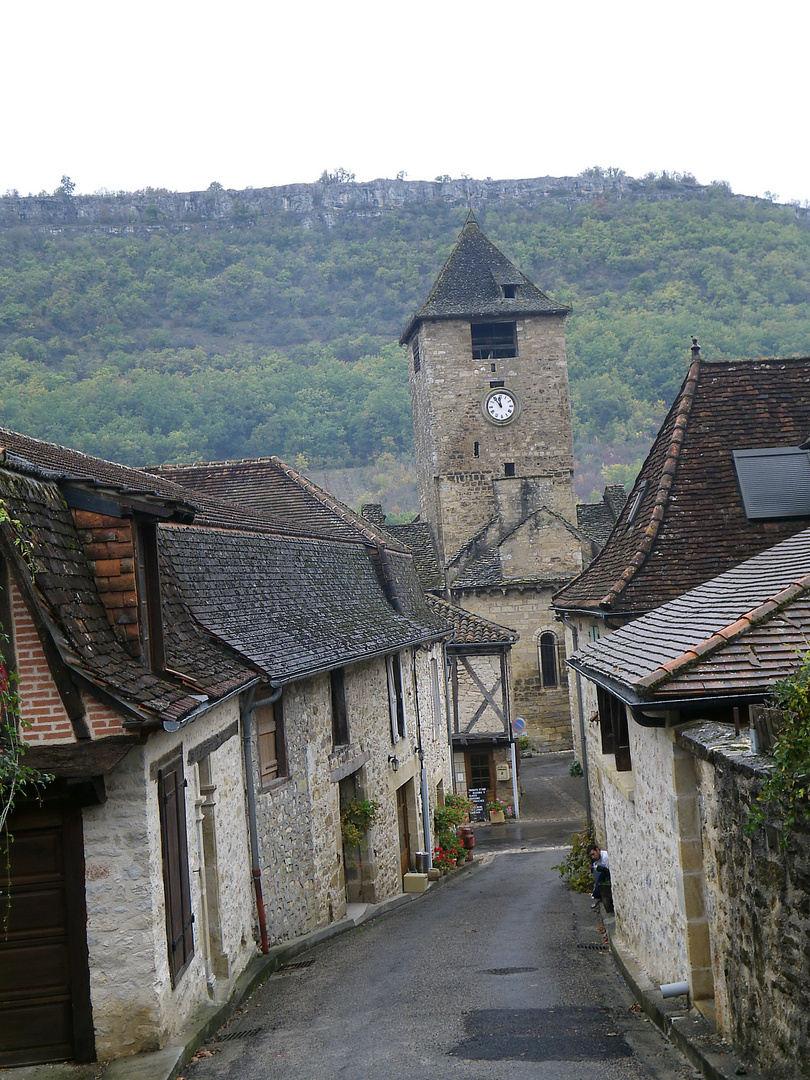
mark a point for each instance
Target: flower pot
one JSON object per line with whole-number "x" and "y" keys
{"x": 496, "y": 817}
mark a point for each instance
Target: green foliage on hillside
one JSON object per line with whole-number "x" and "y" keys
{"x": 277, "y": 335}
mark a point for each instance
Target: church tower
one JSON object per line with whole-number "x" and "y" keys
{"x": 489, "y": 387}
{"x": 494, "y": 451}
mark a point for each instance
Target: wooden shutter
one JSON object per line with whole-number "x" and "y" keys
{"x": 267, "y": 734}
{"x": 179, "y": 918}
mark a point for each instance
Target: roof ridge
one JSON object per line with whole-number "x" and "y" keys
{"x": 721, "y": 637}
{"x": 342, "y": 511}
{"x": 664, "y": 485}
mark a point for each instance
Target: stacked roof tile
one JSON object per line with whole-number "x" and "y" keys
{"x": 732, "y": 636}
{"x": 470, "y": 629}
{"x": 684, "y": 521}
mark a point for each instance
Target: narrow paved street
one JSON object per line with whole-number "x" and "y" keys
{"x": 499, "y": 973}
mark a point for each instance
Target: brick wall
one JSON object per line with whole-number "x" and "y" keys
{"x": 40, "y": 703}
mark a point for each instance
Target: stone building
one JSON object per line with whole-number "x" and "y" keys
{"x": 726, "y": 479}
{"x": 699, "y": 898}
{"x": 494, "y": 451}
{"x": 210, "y": 688}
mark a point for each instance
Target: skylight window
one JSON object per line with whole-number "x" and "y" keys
{"x": 774, "y": 482}
{"x": 637, "y": 500}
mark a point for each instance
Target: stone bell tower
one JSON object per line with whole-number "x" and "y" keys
{"x": 489, "y": 387}
{"x": 494, "y": 450}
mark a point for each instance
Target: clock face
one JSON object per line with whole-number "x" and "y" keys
{"x": 500, "y": 406}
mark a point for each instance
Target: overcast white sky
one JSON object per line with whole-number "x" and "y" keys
{"x": 128, "y": 95}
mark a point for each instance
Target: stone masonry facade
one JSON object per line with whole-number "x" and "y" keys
{"x": 455, "y": 481}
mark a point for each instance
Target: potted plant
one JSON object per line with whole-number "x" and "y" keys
{"x": 499, "y": 811}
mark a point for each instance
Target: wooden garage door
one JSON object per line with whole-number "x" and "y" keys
{"x": 44, "y": 980}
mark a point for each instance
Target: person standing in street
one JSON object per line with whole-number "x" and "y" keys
{"x": 601, "y": 872}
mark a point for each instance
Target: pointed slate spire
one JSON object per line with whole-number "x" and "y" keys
{"x": 479, "y": 281}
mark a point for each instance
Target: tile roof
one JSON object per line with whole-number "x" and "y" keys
{"x": 65, "y": 591}
{"x": 470, "y": 285}
{"x": 53, "y": 462}
{"x": 469, "y": 629}
{"x": 690, "y": 523}
{"x": 294, "y": 606}
{"x": 272, "y": 489}
{"x": 733, "y": 635}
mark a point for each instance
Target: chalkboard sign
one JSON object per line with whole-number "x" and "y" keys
{"x": 478, "y": 797}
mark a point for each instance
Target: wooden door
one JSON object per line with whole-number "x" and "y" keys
{"x": 404, "y": 833}
{"x": 44, "y": 978}
{"x": 480, "y": 773}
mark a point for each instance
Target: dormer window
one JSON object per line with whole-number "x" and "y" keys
{"x": 493, "y": 340}
{"x": 509, "y": 292}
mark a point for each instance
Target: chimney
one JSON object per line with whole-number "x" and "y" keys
{"x": 695, "y": 349}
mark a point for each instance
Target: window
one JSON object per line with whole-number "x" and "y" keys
{"x": 509, "y": 468}
{"x": 638, "y": 498}
{"x": 613, "y": 725}
{"x": 593, "y": 633}
{"x": 476, "y": 450}
{"x": 547, "y": 658}
{"x": 151, "y": 615}
{"x": 340, "y": 722}
{"x": 437, "y": 699}
{"x": 396, "y": 698}
{"x": 493, "y": 340}
{"x": 479, "y": 770}
{"x": 496, "y": 383}
{"x": 179, "y": 918}
{"x": 509, "y": 292}
{"x": 417, "y": 363}
{"x": 270, "y": 737}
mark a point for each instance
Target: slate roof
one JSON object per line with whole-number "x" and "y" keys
{"x": 294, "y": 606}
{"x": 65, "y": 591}
{"x": 242, "y": 595}
{"x": 272, "y": 489}
{"x": 417, "y": 538}
{"x": 596, "y": 520}
{"x": 690, "y": 525}
{"x": 469, "y": 629}
{"x": 470, "y": 285}
{"x": 734, "y": 635}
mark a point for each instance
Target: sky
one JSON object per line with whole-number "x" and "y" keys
{"x": 175, "y": 95}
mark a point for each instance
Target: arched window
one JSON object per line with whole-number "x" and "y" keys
{"x": 547, "y": 650}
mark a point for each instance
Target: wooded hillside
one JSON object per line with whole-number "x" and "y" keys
{"x": 258, "y": 331}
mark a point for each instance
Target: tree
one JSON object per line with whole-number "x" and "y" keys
{"x": 66, "y": 186}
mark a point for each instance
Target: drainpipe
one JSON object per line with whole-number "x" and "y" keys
{"x": 514, "y": 780}
{"x": 247, "y": 745}
{"x": 209, "y": 974}
{"x": 581, "y": 717}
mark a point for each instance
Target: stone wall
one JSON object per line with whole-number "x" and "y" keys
{"x": 304, "y": 865}
{"x": 758, "y": 906}
{"x": 135, "y": 1008}
{"x": 461, "y": 451}
{"x": 546, "y": 710}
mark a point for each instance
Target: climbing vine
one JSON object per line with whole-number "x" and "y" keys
{"x": 15, "y": 776}
{"x": 357, "y": 818}
{"x": 786, "y": 791}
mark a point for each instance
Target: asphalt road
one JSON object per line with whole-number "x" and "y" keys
{"x": 501, "y": 973}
